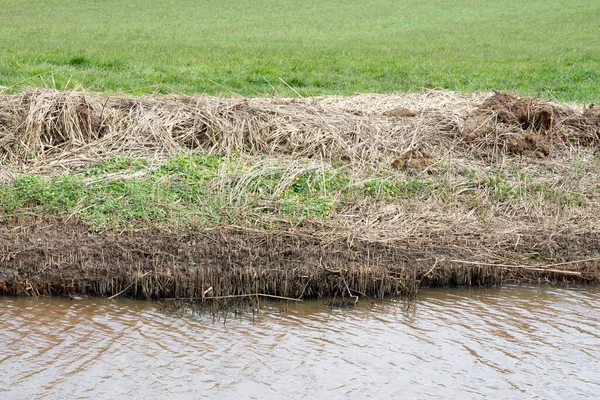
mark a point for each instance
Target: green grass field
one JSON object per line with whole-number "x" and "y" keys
{"x": 545, "y": 47}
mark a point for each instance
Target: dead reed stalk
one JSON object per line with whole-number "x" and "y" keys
{"x": 51, "y": 128}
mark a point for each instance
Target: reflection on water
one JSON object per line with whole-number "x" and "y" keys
{"x": 511, "y": 342}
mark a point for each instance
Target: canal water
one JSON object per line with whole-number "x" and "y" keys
{"x": 511, "y": 342}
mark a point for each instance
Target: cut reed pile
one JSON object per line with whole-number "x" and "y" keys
{"x": 50, "y": 128}
{"x": 46, "y": 128}
{"x": 451, "y": 190}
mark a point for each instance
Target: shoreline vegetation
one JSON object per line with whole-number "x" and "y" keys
{"x": 361, "y": 196}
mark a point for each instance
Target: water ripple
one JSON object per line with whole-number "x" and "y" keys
{"x": 512, "y": 342}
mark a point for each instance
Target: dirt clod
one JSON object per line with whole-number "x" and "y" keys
{"x": 533, "y": 144}
{"x": 528, "y": 127}
{"x": 414, "y": 159}
{"x": 400, "y": 112}
{"x": 526, "y": 112}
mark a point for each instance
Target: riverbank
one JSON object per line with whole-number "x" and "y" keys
{"x": 372, "y": 195}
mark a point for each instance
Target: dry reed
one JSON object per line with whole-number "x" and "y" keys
{"x": 45, "y": 128}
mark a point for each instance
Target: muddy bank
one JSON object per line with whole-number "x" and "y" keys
{"x": 51, "y": 257}
{"x": 372, "y": 195}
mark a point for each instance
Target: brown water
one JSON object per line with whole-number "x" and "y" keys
{"x": 514, "y": 342}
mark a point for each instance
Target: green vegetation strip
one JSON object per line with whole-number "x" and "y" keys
{"x": 538, "y": 47}
{"x": 199, "y": 190}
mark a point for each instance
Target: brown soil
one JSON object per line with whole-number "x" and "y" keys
{"x": 414, "y": 159}
{"x": 590, "y": 119}
{"x": 525, "y": 112}
{"x": 532, "y": 144}
{"x": 43, "y": 257}
{"x": 527, "y": 126}
{"x": 400, "y": 112}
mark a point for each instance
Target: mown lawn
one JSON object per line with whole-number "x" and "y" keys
{"x": 545, "y": 47}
